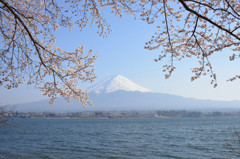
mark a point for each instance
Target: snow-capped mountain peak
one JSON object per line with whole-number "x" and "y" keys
{"x": 116, "y": 83}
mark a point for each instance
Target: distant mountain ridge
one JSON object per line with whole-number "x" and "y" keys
{"x": 117, "y": 93}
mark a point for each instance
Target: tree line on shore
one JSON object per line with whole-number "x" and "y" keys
{"x": 120, "y": 114}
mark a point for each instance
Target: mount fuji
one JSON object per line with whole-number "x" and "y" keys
{"x": 117, "y": 93}
{"x": 116, "y": 83}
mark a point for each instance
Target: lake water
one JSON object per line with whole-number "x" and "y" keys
{"x": 129, "y": 138}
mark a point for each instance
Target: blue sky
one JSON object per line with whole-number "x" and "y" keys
{"x": 123, "y": 53}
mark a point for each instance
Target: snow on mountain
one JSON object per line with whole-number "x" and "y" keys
{"x": 116, "y": 83}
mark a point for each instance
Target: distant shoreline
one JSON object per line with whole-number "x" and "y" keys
{"x": 124, "y": 114}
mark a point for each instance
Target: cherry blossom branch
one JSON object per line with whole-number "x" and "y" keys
{"x": 207, "y": 19}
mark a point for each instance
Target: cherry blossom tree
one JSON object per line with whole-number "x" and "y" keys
{"x": 27, "y": 51}
{"x": 193, "y": 28}
{"x": 184, "y": 29}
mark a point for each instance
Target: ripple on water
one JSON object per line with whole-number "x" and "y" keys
{"x": 193, "y": 138}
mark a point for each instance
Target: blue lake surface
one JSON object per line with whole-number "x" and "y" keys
{"x": 127, "y": 138}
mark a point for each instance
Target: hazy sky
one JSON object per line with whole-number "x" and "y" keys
{"x": 123, "y": 53}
